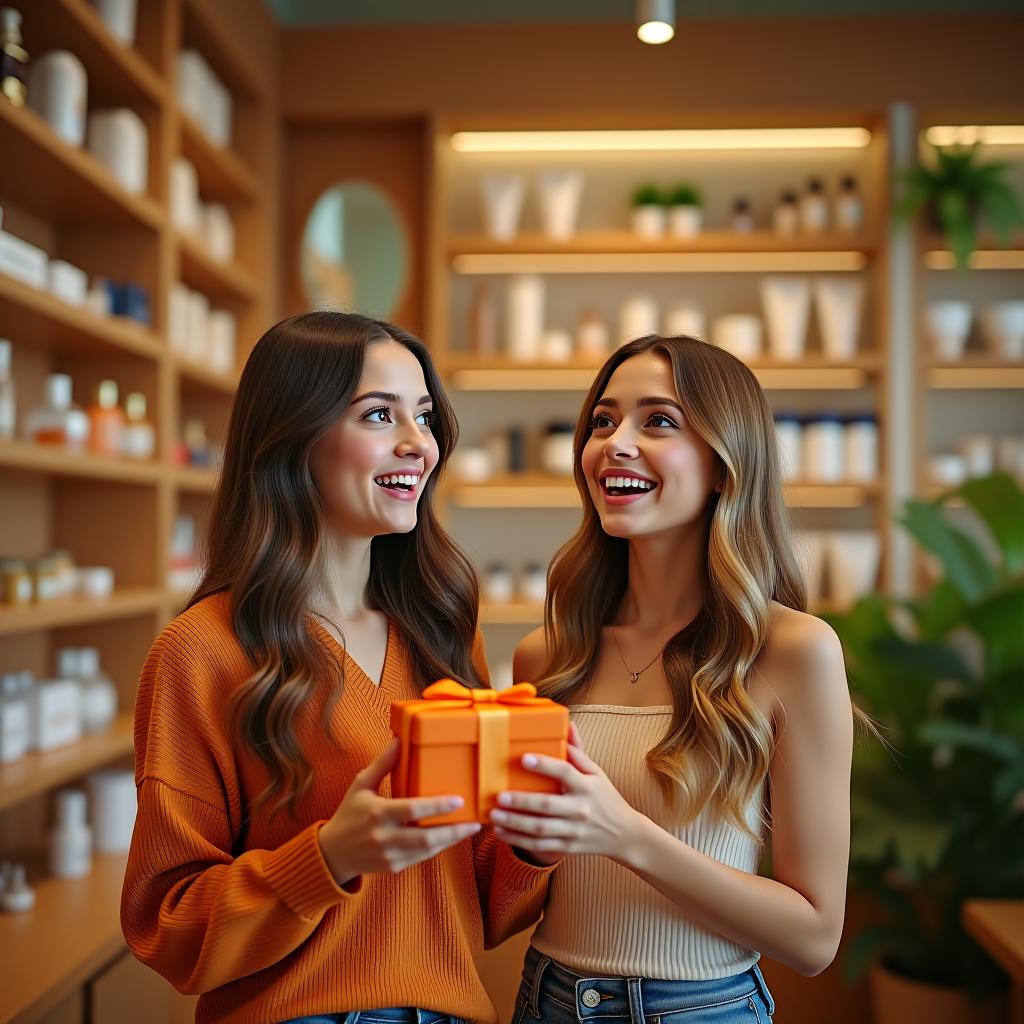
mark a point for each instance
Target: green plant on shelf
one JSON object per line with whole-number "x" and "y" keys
{"x": 938, "y": 817}
{"x": 648, "y": 195}
{"x": 956, "y": 190}
{"x": 684, "y": 195}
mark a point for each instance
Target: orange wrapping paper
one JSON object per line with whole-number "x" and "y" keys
{"x": 470, "y": 742}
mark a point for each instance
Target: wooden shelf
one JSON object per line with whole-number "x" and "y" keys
{"x": 728, "y": 243}
{"x": 72, "y": 932}
{"x": 226, "y": 282}
{"x": 124, "y": 603}
{"x": 194, "y": 376}
{"x": 64, "y": 184}
{"x": 512, "y": 614}
{"x": 47, "y": 322}
{"x": 976, "y": 375}
{"x": 40, "y": 772}
{"x": 989, "y": 255}
{"x": 469, "y": 373}
{"x": 534, "y": 490}
{"x": 221, "y": 51}
{"x": 612, "y": 252}
{"x": 118, "y": 75}
{"x": 223, "y": 176}
{"x": 195, "y": 479}
{"x": 38, "y": 458}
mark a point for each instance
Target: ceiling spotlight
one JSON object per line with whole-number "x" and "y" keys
{"x": 655, "y": 20}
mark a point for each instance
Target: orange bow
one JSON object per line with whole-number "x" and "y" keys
{"x": 448, "y": 689}
{"x": 494, "y": 735}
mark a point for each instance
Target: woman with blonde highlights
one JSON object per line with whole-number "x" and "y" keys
{"x": 703, "y": 695}
{"x": 271, "y": 870}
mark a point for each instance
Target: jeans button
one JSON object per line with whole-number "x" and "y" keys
{"x": 591, "y": 998}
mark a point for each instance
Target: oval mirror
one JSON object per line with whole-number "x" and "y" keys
{"x": 354, "y": 253}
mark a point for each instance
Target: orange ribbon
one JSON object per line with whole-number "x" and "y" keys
{"x": 494, "y": 735}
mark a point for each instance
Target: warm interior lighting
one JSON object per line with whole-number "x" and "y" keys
{"x": 968, "y": 134}
{"x": 655, "y": 20}
{"x": 660, "y": 140}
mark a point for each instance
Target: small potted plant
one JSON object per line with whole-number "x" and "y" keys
{"x": 938, "y": 811}
{"x": 956, "y": 190}
{"x": 648, "y": 218}
{"x": 684, "y": 214}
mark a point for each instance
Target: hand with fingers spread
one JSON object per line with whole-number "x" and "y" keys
{"x": 370, "y": 833}
{"x": 589, "y": 816}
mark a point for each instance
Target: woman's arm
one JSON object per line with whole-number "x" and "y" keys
{"x": 795, "y": 917}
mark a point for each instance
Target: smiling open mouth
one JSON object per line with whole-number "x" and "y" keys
{"x": 618, "y": 485}
{"x": 399, "y": 483}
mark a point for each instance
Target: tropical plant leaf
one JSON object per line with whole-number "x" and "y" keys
{"x": 965, "y": 564}
{"x": 999, "y": 500}
{"x": 971, "y": 737}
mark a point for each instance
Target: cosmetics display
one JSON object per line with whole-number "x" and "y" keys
{"x": 200, "y": 334}
{"x": 52, "y": 577}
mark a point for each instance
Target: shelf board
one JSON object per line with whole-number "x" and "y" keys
{"x": 978, "y": 374}
{"x": 513, "y": 613}
{"x": 195, "y": 479}
{"x": 194, "y": 376}
{"x": 71, "y": 933}
{"x": 988, "y": 255}
{"x": 609, "y": 252}
{"x": 124, "y": 603}
{"x": 224, "y": 281}
{"x": 38, "y": 458}
{"x": 40, "y": 772}
{"x": 50, "y": 323}
{"x": 469, "y": 373}
{"x": 61, "y": 183}
{"x": 223, "y": 175}
{"x": 118, "y": 75}
{"x": 224, "y": 54}
{"x": 535, "y": 490}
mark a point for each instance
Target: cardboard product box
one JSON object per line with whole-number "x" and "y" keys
{"x": 470, "y": 742}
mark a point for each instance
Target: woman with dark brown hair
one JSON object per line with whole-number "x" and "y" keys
{"x": 270, "y": 869}
{"x": 712, "y": 708}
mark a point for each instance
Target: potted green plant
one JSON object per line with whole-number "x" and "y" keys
{"x": 938, "y": 810}
{"x": 684, "y": 214}
{"x": 956, "y": 189}
{"x": 648, "y": 218}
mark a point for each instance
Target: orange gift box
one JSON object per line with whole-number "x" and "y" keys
{"x": 470, "y": 742}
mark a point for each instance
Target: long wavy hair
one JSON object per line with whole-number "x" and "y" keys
{"x": 267, "y": 531}
{"x": 718, "y": 750}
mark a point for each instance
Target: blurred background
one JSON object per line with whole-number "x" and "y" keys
{"x": 831, "y": 191}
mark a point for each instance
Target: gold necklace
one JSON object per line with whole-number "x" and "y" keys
{"x": 634, "y": 676}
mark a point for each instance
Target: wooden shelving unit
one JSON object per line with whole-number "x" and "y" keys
{"x": 498, "y": 391}
{"x": 38, "y": 773}
{"x": 105, "y": 510}
{"x": 70, "y": 935}
{"x": 979, "y": 394}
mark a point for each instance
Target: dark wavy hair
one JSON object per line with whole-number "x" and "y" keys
{"x": 267, "y": 529}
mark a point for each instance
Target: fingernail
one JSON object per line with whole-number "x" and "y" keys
{"x": 454, "y": 802}
{"x": 504, "y": 799}
{"x": 499, "y": 815}
{"x": 530, "y": 760}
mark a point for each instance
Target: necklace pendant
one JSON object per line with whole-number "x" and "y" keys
{"x": 633, "y": 676}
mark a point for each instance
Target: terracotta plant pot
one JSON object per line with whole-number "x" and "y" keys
{"x": 899, "y": 1000}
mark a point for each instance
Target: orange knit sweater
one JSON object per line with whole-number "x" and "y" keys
{"x": 245, "y": 910}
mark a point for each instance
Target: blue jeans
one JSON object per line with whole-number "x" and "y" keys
{"x": 409, "y": 1014}
{"x": 551, "y": 993}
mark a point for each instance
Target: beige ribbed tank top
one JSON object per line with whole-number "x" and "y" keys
{"x": 600, "y": 917}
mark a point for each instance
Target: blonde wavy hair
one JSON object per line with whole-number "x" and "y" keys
{"x": 717, "y": 752}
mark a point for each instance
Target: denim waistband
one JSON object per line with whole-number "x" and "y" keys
{"x": 596, "y": 996}
{"x": 405, "y": 1014}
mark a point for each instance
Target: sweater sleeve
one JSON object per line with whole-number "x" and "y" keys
{"x": 512, "y": 892}
{"x": 190, "y": 909}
